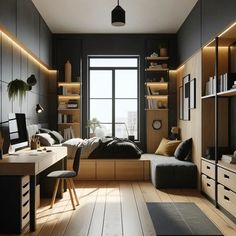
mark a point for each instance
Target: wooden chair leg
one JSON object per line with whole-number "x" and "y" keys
{"x": 70, "y": 192}
{"x": 73, "y": 188}
{"x": 55, "y": 192}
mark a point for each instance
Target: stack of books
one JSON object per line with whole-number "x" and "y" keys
{"x": 228, "y": 159}
{"x": 72, "y": 103}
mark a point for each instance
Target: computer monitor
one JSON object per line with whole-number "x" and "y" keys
{"x": 17, "y": 130}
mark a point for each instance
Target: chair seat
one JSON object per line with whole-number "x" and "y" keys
{"x": 62, "y": 174}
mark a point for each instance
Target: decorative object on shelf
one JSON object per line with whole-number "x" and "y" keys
{"x": 230, "y": 159}
{"x": 39, "y": 109}
{"x": 93, "y": 124}
{"x": 181, "y": 102}
{"x": 17, "y": 88}
{"x": 163, "y": 51}
{"x": 31, "y": 81}
{"x": 162, "y": 80}
{"x": 156, "y": 124}
{"x": 154, "y": 54}
{"x": 174, "y": 133}
{"x": 68, "y": 72}
{"x": 118, "y": 15}
{"x": 186, "y": 97}
{"x": 193, "y": 93}
{"x": 164, "y": 66}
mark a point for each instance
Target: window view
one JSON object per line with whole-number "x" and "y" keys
{"x": 113, "y": 96}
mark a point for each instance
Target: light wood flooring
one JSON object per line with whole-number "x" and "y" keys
{"x": 117, "y": 208}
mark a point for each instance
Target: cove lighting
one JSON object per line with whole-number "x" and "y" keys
{"x": 35, "y": 60}
{"x": 230, "y": 27}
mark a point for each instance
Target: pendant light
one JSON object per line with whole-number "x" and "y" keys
{"x": 118, "y": 15}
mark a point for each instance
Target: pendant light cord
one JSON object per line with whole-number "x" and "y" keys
{"x": 118, "y": 3}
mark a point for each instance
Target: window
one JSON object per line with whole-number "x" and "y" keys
{"x": 114, "y": 95}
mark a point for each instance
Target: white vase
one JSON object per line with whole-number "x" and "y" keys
{"x": 68, "y": 72}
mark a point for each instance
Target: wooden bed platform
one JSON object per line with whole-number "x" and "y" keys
{"x": 112, "y": 169}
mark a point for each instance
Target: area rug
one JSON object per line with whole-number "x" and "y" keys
{"x": 180, "y": 219}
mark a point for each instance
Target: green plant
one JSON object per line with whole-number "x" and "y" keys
{"x": 93, "y": 124}
{"x": 17, "y": 88}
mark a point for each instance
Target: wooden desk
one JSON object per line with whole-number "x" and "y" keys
{"x": 32, "y": 163}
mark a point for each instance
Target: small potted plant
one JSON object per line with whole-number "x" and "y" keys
{"x": 17, "y": 88}
{"x": 93, "y": 124}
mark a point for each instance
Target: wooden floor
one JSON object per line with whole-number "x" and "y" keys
{"x": 117, "y": 208}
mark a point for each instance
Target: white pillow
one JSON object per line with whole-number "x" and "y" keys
{"x": 45, "y": 139}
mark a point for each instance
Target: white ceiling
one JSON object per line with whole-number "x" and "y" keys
{"x": 94, "y": 16}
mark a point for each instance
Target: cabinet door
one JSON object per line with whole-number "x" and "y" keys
{"x": 129, "y": 170}
{"x": 105, "y": 170}
{"x": 208, "y": 186}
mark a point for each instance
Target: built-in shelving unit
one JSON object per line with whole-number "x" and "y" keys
{"x": 218, "y": 100}
{"x": 69, "y": 109}
{"x": 156, "y": 86}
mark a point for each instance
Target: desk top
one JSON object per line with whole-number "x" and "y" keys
{"x": 31, "y": 162}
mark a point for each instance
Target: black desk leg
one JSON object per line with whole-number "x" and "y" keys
{"x": 32, "y": 203}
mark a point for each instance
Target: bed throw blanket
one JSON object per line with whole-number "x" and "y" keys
{"x": 103, "y": 148}
{"x": 116, "y": 148}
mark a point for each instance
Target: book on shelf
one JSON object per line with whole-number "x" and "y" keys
{"x": 68, "y": 133}
{"x": 228, "y": 158}
{"x": 61, "y": 105}
{"x": 59, "y": 118}
{"x": 72, "y": 103}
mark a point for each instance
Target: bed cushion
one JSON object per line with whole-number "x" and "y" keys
{"x": 45, "y": 139}
{"x": 167, "y": 147}
{"x": 183, "y": 151}
{"x": 56, "y": 136}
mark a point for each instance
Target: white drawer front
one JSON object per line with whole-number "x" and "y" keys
{"x": 227, "y": 199}
{"x": 208, "y": 186}
{"x": 208, "y": 169}
{"x": 227, "y": 178}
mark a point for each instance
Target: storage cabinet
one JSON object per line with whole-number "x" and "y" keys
{"x": 218, "y": 119}
{"x": 15, "y": 213}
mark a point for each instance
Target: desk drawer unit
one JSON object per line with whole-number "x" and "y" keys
{"x": 208, "y": 169}
{"x": 227, "y": 178}
{"x": 208, "y": 186}
{"x": 15, "y": 204}
{"x": 227, "y": 199}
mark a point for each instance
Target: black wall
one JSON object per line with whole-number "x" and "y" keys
{"x": 207, "y": 20}
{"x": 21, "y": 19}
{"x": 79, "y": 47}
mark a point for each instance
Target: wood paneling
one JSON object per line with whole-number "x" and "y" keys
{"x": 154, "y": 136}
{"x": 192, "y": 128}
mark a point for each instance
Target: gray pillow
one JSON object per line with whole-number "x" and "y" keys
{"x": 45, "y": 139}
{"x": 56, "y": 136}
{"x": 44, "y": 130}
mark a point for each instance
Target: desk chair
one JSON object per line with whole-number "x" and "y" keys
{"x": 67, "y": 175}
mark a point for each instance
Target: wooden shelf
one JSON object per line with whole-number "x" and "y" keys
{"x": 228, "y": 93}
{"x": 158, "y": 97}
{"x": 208, "y": 96}
{"x": 156, "y": 70}
{"x": 69, "y": 109}
{"x": 71, "y": 84}
{"x": 77, "y": 97}
{"x": 157, "y": 85}
{"x": 158, "y": 109}
{"x": 156, "y": 58}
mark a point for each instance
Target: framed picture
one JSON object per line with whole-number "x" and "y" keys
{"x": 181, "y": 103}
{"x": 193, "y": 93}
{"x": 186, "y": 97}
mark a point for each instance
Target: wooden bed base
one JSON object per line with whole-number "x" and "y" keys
{"x": 112, "y": 169}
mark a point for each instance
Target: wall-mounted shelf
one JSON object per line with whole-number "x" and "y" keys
{"x": 157, "y": 85}
{"x": 228, "y": 93}
{"x": 157, "y": 70}
{"x": 77, "y": 97}
{"x": 208, "y": 96}
{"x": 158, "y": 97}
{"x": 157, "y": 58}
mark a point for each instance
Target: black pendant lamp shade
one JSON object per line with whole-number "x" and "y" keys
{"x": 118, "y": 16}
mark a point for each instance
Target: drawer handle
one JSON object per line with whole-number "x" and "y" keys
{"x": 208, "y": 167}
{"x": 25, "y": 215}
{"x": 25, "y": 193}
{"x": 227, "y": 189}
{"x": 226, "y": 176}
{"x": 208, "y": 185}
{"x": 226, "y": 198}
{"x": 25, "y": 203}
{"x": 24, "y": 186}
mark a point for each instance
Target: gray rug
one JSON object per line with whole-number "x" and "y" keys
{"x": 180, "y": 219}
